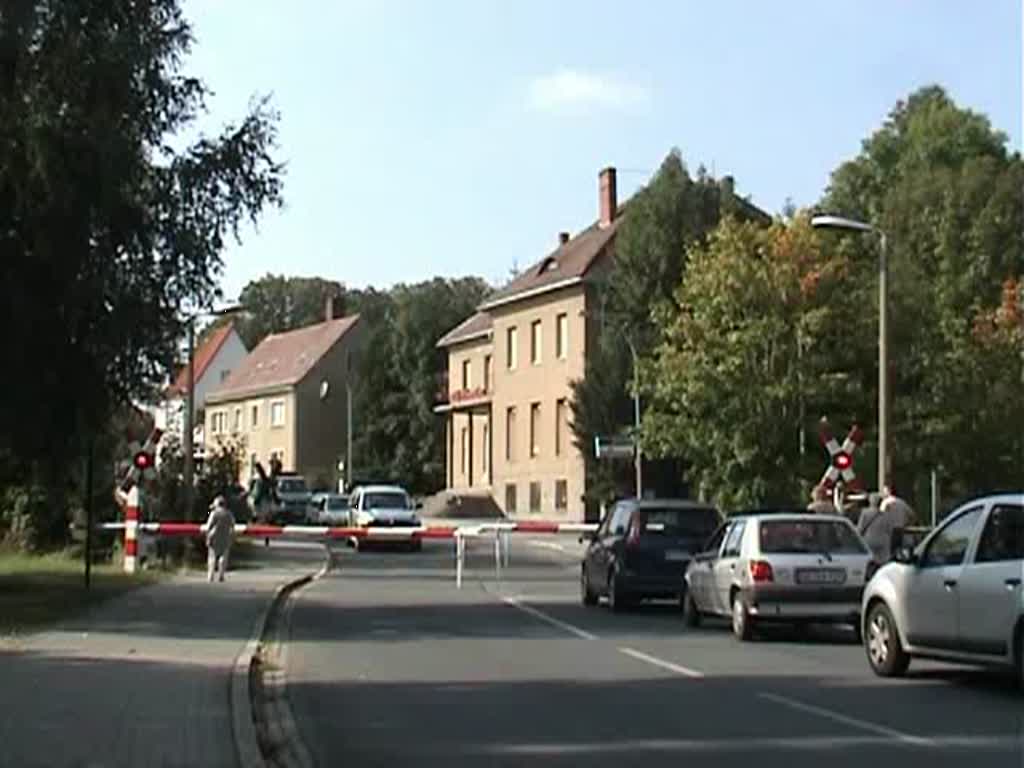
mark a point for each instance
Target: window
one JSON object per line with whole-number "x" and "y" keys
{"x": 510, "y": 433}
{"x": 694, "y": 524}
{"x": 561, "y": 494}
{"x": 620, "y": 519}
{"x": 715, "y": 542}
{"x": 254, "y": 417}
{"x": 817, "y": 536}
{"x": 219, "y": 422}
{"x": 535, "y": 342}
{"x": 732, "y": 541}
{"x": 560, "y": 424}
{"x": 385, "y": 500}
{"x": 1003, "y": 537}
{"x": 487, "y": 373}
{"x": 510, "y": 498}
{"x": 466, "y": 371}
{"x": 238, "y": 420}
{"x": 562, "y": 336}
{"x": 535, "y": 497}
{"x": 534, "y": 429}
{"x": 511, "y": 348}
{"x": 277, "y": 413}
{"x": 949, "y": 545}
{"x": 464, "y": 436}
{"x": 485, "y": 453}
{"x": 224, "y": 375}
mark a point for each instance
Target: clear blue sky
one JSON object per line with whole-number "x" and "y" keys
{"x": 458, "y": 137}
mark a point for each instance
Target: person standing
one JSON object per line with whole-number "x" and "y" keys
{"x": 220, "y": 531}
{"x": 899, "y": 513}
{"x": 820, "y": 502}
{"x": 874, "y": 525}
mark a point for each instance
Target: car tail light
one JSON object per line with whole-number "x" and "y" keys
{"x": 761, "y": 571}
{"x": 870, "y": 570}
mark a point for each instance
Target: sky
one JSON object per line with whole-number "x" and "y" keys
{"x": 458, "y": 137}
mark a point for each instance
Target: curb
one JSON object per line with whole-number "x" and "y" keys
{"x": 246, "y": 666}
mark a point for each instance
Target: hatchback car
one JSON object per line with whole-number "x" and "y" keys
{"x": 957, "y": 596}
{"x": 778, "y": 567}
{"x": 641, "y": 549}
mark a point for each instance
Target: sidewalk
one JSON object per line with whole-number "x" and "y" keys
{"x": 144, "y": 680}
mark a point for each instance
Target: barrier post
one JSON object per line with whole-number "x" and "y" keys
{"x": 506, "y": 537}
{"x": 497, "y": 554}
{"x": 460, "y": 554}
{"x": 131, "y": 530}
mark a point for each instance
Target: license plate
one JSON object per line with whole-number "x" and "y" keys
{"x": 820, "y": 576}
{"x": 676, "y": 555}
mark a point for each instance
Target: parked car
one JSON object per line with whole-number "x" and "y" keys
{"x": 332, "y": 509}
{"x": 641, "y": 549}
{"x": 782, "y": 567}
{"x": 384, "y": 506}
{"x": 295, "y": 496}
{"x": 957, "y": 596}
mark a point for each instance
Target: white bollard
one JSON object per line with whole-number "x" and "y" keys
{"x": 460, "y": 554}
{"x": 497, "y": 554}
{"x": 506, "y": 541}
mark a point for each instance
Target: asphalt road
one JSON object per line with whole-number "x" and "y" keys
{"x": 390, "y": 665}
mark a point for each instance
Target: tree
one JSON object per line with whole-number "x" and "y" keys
{"x": 940, "y": 182}
{"x": 748, "y": 360}
{"x": 660, "y": 223}
{"x": 107, "y": 227}
{"x": 275, "y": 303}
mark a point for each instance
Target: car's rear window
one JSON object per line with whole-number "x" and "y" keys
{"x": 292, "y": 486}
{"x": 337, "y": 502}
{"x": 386, "y": 500}
{"x": 696, "y": 523}
{"x": 809, "y": 536}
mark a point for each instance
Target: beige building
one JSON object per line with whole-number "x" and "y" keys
{"x": 510, "y": 367}
{"x": 289, "y": 398}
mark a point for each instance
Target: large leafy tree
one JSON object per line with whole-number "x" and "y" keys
{"x": 275, "y": 303}
{"x": 661, "y": 221}
{"x": 110, "y": 222}
{"x": 938, "y": 179}
{"x": 747, "y": 361}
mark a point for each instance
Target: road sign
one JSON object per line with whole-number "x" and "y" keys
{"x": 840, "y": 456}
{"x": 614, "y": 448}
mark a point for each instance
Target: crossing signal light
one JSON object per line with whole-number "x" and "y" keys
{"x": 143, "y": 460}
{"x": 843, "y": 461}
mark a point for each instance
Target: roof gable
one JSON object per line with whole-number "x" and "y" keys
{"x": 283, "y": 359}
{"x": 201, "y": 361}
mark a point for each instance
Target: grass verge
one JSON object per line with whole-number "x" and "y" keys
{"x": 36, "y": 590}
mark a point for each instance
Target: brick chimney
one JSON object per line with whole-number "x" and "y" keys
{"x": 563, "y": 238}
{"x": 606, "y": 196}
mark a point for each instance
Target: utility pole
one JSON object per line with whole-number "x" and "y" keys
{"x": 190, "y": 381}
{"x": 883, "y": 364}
{"x": 348, "y": 431}
{"x": 88, "y": 511}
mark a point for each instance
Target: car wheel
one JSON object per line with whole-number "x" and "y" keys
{"x": 884, "y": 649}
{"x": 616, "y": 600}
{"x": 586, "y": 595}
{"x": 742, "y": 622}
{"x": 691, "y": 614}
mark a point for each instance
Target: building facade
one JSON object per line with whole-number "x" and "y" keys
{"x": 510, "y": 370}
{"x": 290, "y": 399}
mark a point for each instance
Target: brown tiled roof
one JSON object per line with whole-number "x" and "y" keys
{"x": 283, "y": 359}
{"x": 203, "y": 357}
{"x": 477, "y": 325}
{"x": 568, "y": 262}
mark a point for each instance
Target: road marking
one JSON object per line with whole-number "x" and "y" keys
{"x": 853, "y": 722}
{"x": 581, "y": 633}
{"x": 677, "y": 668}
{"x": 548, "y": 545}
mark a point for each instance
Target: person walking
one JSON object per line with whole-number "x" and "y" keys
{"x": 820, "y": 502}
{"x": 220, "y": 531}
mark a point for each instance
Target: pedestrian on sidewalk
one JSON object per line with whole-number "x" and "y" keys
{"x": 899, "y": 513}
{"x": 220, "y": 531}
{"x": 821, "y": 504}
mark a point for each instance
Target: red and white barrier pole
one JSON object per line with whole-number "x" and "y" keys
{"x": 131, "y": 530}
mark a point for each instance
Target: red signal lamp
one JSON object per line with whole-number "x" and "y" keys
{"x": 843, "y": 461}
{"x": 143, "y": 460}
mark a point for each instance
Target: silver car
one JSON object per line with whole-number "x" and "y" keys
{"x": 957, "y": 596}
{"x": 779, "y": 567}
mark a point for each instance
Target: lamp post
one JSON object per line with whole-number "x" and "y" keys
{"x": 839, "y": 222}
{"x": 190, "y": 380}
{"x": 637, "y": 457}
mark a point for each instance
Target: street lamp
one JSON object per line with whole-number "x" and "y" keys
{"x": 839, "y": 222}
{"x": 190, "y": 401}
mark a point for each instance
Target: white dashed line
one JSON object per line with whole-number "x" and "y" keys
{"x": 581, "y": 633}
{"x": 677, "y": 668}
{"x": 549, "y": 545}
{"x": 853, "y": 722}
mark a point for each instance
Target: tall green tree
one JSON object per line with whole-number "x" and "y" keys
{"x": 746, "y": 361}
{"x": 275, "y": 303}
{"x": 939, "y": 180}
{"x": 109, "y": 227}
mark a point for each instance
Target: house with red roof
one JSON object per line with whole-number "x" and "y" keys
{"x": 214, "y": 360}
{"x": 289, "y": 399}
